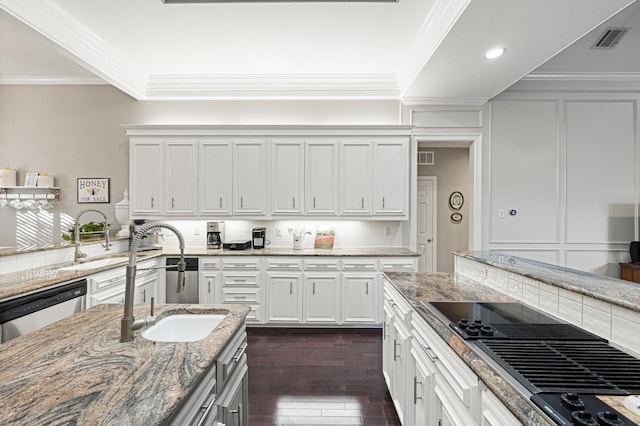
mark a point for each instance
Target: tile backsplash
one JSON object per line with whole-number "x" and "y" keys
{"x": 348, "y": 233}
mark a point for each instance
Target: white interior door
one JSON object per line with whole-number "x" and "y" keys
{"x": 427, "y": 223}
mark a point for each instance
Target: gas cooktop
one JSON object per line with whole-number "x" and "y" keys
{"x": 567, "y": 371}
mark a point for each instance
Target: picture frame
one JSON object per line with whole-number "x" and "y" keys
{"x": 94, "y": 190}
{"x": 456, "y": 200}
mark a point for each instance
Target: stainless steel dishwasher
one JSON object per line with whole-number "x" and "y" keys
{"x": 31, "y": 312}
{"x": 190, "y": 292}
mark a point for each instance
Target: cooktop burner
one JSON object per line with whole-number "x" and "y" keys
{"x": 565, "y": 369}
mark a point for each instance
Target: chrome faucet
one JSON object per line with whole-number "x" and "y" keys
{"x": 107, "y": 242}
{"x": 128, "y": 323}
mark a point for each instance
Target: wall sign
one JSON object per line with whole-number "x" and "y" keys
{"x": 93, "y": 190}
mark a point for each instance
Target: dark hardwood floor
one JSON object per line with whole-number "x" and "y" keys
{"x": 317, "y": 377}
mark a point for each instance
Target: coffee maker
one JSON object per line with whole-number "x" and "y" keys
{"x": 258, "y": 237}
{"x": 215, "y": 235}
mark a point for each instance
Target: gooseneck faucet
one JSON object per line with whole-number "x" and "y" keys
{"x": 107, "y": 243}
{"x": 128, "y": 323}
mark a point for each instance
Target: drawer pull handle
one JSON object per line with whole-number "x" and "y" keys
{"x": 367, "y": 289}
{"x": 173, "y": 203}
{"x": 290, "y": 287}
{"x": 239, "y": 413}
{"x": 209, "y": 286}
{"x": 240, "y": 297}
{"x": 415, "y": 390}
{"x": 220, "y": 202}
{"x": 432, "y": 356}
{"x": 152, "y": 202}
{"x": 207, "y": 409}
{"x": 395, "y": 350}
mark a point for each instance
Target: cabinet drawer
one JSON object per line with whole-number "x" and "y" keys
{"x": 106, "y": 280}
{"x": 399, "y": 265}
{"x": 457, "y": 375}
{"x": 240, "y": 295}
{"x": 252, "y": 263}
{"x": 280, "y": 264}
{"x": 360, "y": 265}
{"x": 240, "y": 278}
{"x": 209, "y": 263}
{"x": 321, "y": 265}
{"x": 115, "y": 296}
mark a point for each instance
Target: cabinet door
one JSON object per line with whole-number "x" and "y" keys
{"x": 321, "y": 177}
{"x": 387, "y": 342}
{"x": 355, "y": 177}
{"x": 249, "y": 177}
{"x": 401, "y": 342}
{"x": 321, "y": 298}
{"x": 391, "y": 177}
{"x": 146, "y": 160}
{"x": 145, "y": 290}
{"x": 359, "y": 295}
{"x": 283, "y": 298}
{"x": 210, "y": 287}
{"x": 287, "y": 171}
{"x": 494, "y": 412}
{"x": 180, "y": 175}
{"x": 215, "y": 177}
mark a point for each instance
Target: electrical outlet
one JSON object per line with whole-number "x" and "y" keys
{"x": 501, "y": 214}
{"x": 196, "y": 231}
{"x": 387, "y": 230}
{"x": 278, "y": 233}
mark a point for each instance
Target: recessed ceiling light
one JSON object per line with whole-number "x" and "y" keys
{"x": 495, "y": 53}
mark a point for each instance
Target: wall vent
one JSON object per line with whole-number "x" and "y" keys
{"x": 610, "y": 37}
{"x": 426, "y": 158}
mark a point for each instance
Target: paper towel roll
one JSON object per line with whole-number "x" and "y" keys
{"x": 7, "y": 177}
{"x": 45, "y": 180}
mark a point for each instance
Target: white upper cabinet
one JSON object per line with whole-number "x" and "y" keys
{"x": 321, "y": 177}
{"x": 215, "y": 177}
{"x": 257, "y": 172}
{"x": 287, "y": 177}
{"x": 249, "y": 177}
{"x": 181, "y": 178}
{"x": 356, "y": 188}
{"x": 146, "y": 161}
{"x": 391, "y": 177}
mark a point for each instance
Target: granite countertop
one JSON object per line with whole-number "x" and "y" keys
{"x": 29, "y": 280}
{"x": 419, "y": 287}
{"x": 22, "y": 282}
{"x": 613, "y": 290}
{"x": 76, "y": 371}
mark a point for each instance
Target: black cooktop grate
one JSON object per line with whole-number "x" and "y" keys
{"x": 545, "y": 332}
{"x": 591, "y": 367}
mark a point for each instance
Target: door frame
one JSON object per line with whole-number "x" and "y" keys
{"x": 434, "y": 215}
{"x": 474, "y": 143}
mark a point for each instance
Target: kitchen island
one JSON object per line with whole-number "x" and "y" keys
{"x": 76, "y": 371}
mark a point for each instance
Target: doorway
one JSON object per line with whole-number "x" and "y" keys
{"x": 427, "y": 214}
{"x": 448, "y": 227}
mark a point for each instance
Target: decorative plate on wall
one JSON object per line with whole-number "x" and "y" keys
{"x": 456, "y": 200}
{"x": 456, "y": 217}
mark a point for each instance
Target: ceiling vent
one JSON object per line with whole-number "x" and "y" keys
{"x": 610, "y": 37}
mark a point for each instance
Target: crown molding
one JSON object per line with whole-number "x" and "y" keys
{"x": 417, "y": 101}
{"x": 583, "y": 76}
{"x": 42, "y": 80}
{"x": 434, "y": 29}
{"x": 272, "y": 86}
{"x": 78, "y": 43}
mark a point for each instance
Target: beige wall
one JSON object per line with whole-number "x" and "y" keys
{"x": 75, "y": 131}
{"x": 452, "y": 170}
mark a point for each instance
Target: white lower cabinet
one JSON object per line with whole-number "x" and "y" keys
{"x": 109, "y": 286}
{"x": 321, "y": 298}
{"x": 221, "y": 398}
{"x": 241, "y": 283}
{"x": 284, "y": 293}
{"x": 428, "y": 382}
{"x": 494, "y": 413}
{"x": 359, "y": 298}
